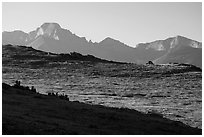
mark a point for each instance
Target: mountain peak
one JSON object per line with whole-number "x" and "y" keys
{"x": 49, "y": 30}
{"x": 183, "y": 41}
{"x": 50, "y": 25}
{"x": 179, "y": 36}
{"x": 108, "y": 40}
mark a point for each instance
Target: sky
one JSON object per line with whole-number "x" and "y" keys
{"x": 130, "y": 23}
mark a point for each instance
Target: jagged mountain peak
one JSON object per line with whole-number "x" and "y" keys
{"x": 48, "y": 30}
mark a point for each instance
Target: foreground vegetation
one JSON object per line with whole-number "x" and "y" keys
{"x": 172, "y": 91}
{"x": 28, "y": 112}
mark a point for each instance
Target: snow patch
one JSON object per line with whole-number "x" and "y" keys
{"x": 55, "y": 35}
{"x": 195, "y": 44}
{"x": 156, "y": 46}
{"x": 160, "y": 47}
{"x": 50, "y": 29}
{"x": 174, "y": 42}
{"x": 40, "y": 32}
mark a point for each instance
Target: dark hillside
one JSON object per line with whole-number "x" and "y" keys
{"x": 22, "y": 55}
{"x": 30, "y": 113}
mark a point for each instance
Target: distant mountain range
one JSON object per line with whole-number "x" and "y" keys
{"x": 50, "y": 37}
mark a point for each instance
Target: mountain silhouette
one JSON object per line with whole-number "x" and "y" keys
{"x": 50, "y": 37}
{"x": 16, "y": 37}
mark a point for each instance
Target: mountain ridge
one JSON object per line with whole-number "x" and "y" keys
{"x": 51, "y": 37}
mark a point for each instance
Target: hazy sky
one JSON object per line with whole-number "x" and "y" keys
{"x": 130, "y": 23}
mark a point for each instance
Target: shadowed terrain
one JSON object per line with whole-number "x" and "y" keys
{"x": 172, "y": 90}
{"x": 26, "y": 112}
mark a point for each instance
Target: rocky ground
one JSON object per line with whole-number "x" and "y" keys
{"x": 30, "y": 113}
{"x": 174, "y": 90}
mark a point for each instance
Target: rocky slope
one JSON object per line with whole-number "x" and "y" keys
{"x": 173, "y": 90}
